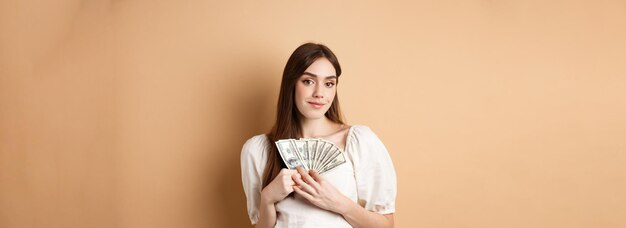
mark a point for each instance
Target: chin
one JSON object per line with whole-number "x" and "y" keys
{"x": 313, "y": 116}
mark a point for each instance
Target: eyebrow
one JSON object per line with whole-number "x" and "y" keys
{"x": 314, "y": 75}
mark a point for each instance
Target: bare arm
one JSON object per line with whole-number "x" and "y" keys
{"x": 267, "y": 214}
{"x": 277, "y": 190}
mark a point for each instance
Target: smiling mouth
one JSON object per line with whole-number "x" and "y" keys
{"x": 316, "y": 105}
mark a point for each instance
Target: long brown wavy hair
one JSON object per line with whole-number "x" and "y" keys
{"x": 287, "y": 123}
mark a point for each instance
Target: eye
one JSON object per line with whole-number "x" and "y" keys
{"x": 330, "y": 84}
{"x": 307, "y": 81}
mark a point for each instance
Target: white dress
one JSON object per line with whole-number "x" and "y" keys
{"x": 368, "y": 178}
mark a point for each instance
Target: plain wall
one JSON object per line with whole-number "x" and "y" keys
{"x": 133, "y": 113}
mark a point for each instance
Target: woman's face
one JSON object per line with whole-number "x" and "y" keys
{"x": 316, "y": 89}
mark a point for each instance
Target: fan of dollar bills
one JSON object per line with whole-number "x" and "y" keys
{"x": 317, "y": 154}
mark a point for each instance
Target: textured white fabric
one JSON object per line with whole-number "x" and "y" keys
{"x": 368, "y": 178}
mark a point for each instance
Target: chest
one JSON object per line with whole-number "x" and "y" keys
{"x": 339, "y": 139}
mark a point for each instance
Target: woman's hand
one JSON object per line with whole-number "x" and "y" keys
{"x": 319, "y": 192}
{"x": 280, "y": 187}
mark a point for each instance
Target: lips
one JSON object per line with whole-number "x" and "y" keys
{"x": 316, "y": 104}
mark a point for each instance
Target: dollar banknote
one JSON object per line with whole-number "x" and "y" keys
{"x": 289, "y": 154}
{"x": 317, "y": 154}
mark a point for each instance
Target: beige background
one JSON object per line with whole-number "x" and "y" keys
{"x": 133, "y": 113}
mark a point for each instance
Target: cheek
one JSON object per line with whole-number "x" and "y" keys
{"x": 331, "y": 94}
{"x": 299, "y": 92}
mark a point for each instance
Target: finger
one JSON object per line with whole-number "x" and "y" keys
{"x": 300, "y": 170}
{"x": 305, "y": 186}
{"x": 289, "y": 178}
{"x": 290, "y": 182}
{"x": 316, "y": 176}
{"x": 305, "y": 175}
{"x": 288, "y": 171}
{"x": 309, "y": 180}
{"x": 303, "y": 193}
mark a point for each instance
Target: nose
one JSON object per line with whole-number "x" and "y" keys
{"x": 317, "y": 93}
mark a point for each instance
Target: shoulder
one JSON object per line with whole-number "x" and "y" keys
{"x": 255, "y": 141}
{"x": 367, "y": 150}
{"x": 362, "y": 132}
{"x": 255, "y": 146}
{"x": 364, "y": 137}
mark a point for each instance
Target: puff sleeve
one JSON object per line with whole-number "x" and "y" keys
{"x": 374, "y": 171}
{"x": 253, "y": 159}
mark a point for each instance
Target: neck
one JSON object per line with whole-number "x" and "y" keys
{"x": 315, "y": 128}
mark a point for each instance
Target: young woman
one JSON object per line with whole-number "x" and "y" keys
{"x": 358, "y": 193}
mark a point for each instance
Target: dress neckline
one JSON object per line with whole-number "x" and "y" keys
{"x": 348, "y": 136}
